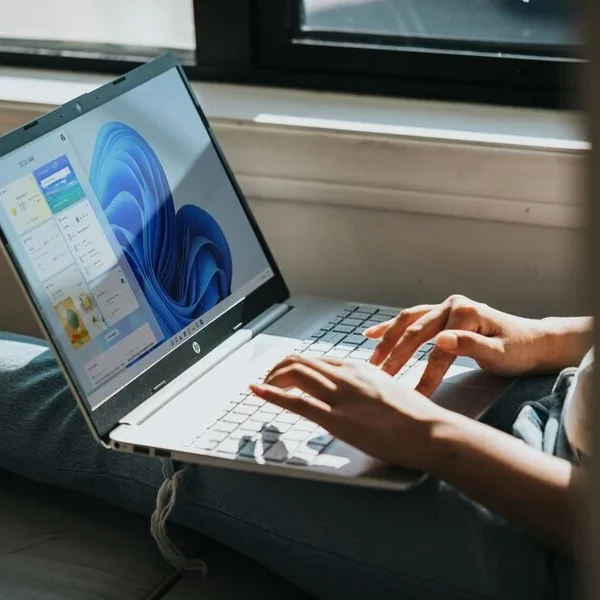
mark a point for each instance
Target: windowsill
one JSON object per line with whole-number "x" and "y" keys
{"x": 466, "y": 161}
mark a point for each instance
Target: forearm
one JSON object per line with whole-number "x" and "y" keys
{"x": 536, "y": 491}
{"x": 567, "y": 339}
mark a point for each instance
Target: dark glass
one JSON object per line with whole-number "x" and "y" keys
{"x": 541, "y": 27}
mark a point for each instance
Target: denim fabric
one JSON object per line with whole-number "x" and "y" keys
{"x": 332, "y": 541}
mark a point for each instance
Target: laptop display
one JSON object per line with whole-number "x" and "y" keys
{"x": 128, "y": 232}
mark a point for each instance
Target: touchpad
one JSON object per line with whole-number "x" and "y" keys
{"x": 471, "y": 393}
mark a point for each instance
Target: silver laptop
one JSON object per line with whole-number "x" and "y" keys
{"x": 160, "y": 296}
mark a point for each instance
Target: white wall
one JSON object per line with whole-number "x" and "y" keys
{"x": 402, "y": 258}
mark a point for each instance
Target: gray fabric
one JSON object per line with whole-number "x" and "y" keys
{"x": 49, "y": 549}
{"x": 333, "y": 542}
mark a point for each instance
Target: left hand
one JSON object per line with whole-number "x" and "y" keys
{"x": 358, "y": 404}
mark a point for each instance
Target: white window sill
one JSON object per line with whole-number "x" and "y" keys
{"x": 499, "y": 164}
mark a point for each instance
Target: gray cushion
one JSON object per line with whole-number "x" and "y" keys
{"x": 62, "y": 545}
{"x": 56, "y": 545}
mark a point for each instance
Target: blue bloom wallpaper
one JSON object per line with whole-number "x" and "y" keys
{"x": 180, "y": 258}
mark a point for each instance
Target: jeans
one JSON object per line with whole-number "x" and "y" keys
{"x": 332, "y": 541}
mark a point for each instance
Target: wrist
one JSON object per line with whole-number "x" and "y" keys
{"x": 565, "y": 340}
{"x": 443, "y": 431}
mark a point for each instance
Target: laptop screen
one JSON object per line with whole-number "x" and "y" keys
{"x": 129, "y": 232}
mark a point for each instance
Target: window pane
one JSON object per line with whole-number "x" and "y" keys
{"x": 537, "y": 25}
{"x": 164, "y": 24}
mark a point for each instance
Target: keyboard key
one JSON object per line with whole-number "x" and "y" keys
{"x": 251, "y": 427}
{"x": 230, "y": 446}
{"x": 320, "y": 441}
{"x": 376, "y": 319}
{"x": 288, "y": 418}
{"x": 254, "y": 449}
{"x": 354, "y": 340}
{"x": 352, "y": 322}
{"x": 361, "y": 354}
{"x": 234, "y": 418}
{"x": 304, "y": 345}
{"x": 367, "y": 325}
{"x": 313, "y": 353}
{"x": 321, "y": 346}
{"x": 333, "y": 338}
{"x": 335, "y": 353}
{"x": 351, "y": 358}
{"x": 389, "y": 313}
{"x": 305, "y": 425}
{"x": 270, "y": 409}
{"x": 369, "y": 344}
{"x": 343, "y": 329}
{"x": 319, "y": 334}
{"x": 363, "y": 314}
{"x": 217, "y": 436}
{"x": 225, "y": 426}
{"x": 254, "y": 401}
{"x": 345, "y": 347}
{"x": 270, "y": 434}
{"x": 280, "y": 451}
{"x": 242, "y": 409}
{"x": 295, "y": 435}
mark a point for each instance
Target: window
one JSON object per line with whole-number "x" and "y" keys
{"x": 502, "y": 51}
{"x": 126, "y": 30}
{"x": 543, "y": 26}
{"x": 522, "y": 52}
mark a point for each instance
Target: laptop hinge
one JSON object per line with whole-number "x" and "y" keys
{"x": 267, "y": 318}
{"x": 165, "y": 393}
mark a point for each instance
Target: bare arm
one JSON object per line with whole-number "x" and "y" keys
{"x": 367, "y": 408}
{"x": 566, "y": 340}
{"x": 538, "y": 492}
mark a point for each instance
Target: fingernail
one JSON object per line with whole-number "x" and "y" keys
{"x": 447, "y": 341}
{"x": 255, "y": 387}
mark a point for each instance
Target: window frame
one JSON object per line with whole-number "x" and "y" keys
{"x": 257, "y": 42}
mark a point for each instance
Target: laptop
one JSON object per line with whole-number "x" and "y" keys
{"x": 160, "y": 296}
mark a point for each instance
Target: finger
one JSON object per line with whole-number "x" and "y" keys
{"x": 315, "y": 411}
{"x": 303, "y": 377}
{"x": 328, "y": 367}
{"x": 376, "y": 332}
{"x": 336, "y": 362}
{"x": 462, "y": 320}
{"x": 312, "y": 363}
{"x": 438, "y": 364}
{"x": 414, "y": 336}
{"x": 395, "y": 331}
{"x": 468, "y": 343}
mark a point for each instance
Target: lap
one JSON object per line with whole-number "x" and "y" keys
{"x": 328, "y": 539}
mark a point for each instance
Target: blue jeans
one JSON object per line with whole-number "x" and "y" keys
{"x": 332, "y": 541}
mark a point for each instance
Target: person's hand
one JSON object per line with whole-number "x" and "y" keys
{"x": 359, "y": 404}
{"x": 499, "y": 342}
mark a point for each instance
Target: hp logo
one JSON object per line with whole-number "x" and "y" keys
{"x": 196, "y": 347}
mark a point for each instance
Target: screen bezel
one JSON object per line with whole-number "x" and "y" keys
{"x": 273, "y": 291}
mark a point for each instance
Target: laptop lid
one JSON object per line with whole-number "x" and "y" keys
{"x": 131, "y": 237}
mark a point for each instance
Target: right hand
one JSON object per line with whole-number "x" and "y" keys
{"x": 500, "y": 343}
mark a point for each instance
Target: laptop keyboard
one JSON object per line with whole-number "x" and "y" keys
{"x": 251, "y": 428}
